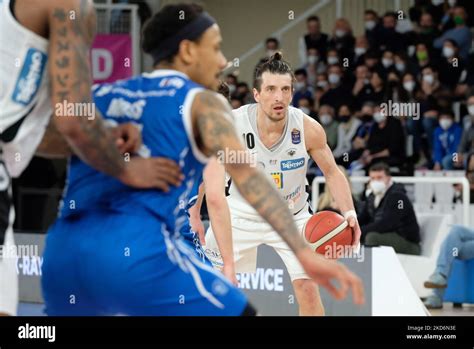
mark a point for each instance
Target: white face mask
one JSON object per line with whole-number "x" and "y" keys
{"x": 369, "y": 25}
{"x": 452, "y": 3}
{"x": 333, "y": 60}
{"x": 359, "y": 51}
{"x": 299, "y": 85}
{"x": 445, "y": 123}
{"x": 379, "y": 117}
{"x": 378, "y": 187}
{"x": 400, "y": 66}
{"x": 437, "y": 2}
{"x": 334, "y": 79}
{"x": 448, "y": 52}
{"x": 340, "y": 33}
{"x": 322, "y": 83}
{"x": 409, "y": 85}
{"x": 305, "y": 110}
{"x": 387, "y": 62}
{"x": 325, "y": 119}
{"x": 470, "y": 109}
{"x": 312, "y": 59}
{"x": 428, "y": 78}
{"x": 232, "y": 88}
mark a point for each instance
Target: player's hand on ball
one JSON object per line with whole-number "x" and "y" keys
{"x": 157, "y": 173}
{"x": 128, "y": 138}
{"x": 325, "y": 271}
{"x": 356, "y": 232}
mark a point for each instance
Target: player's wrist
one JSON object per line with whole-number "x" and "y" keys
{"x": 350, "y": 213}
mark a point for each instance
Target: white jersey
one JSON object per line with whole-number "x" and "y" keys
{"x": 285, "y": 164}
{"x": 25, "y": 105}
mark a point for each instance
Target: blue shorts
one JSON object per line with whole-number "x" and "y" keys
{"x": 191, "y": 238}
{"x": 109, "y": 263}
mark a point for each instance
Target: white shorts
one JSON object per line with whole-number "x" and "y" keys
{"x": 8, "y": 276}
{"x": 247, "y": 235}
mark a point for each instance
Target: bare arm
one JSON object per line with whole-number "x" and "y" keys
{"x": 72, "y": 29}
{"x": 219, "y": 214}
{"x": 315, "y": 139}
{"x": 53, "y": 145}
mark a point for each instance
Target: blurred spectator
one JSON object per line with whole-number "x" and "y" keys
{"x": 231, "y": 81}
{"x": 371, "y": 59}
{"x": 326, "y": 201}
{"x": 307, "y": 106}
{"x": 359, "y": 143}
{"x": 460, "y": 239}
{"x": 346, "y": 131}
{"x": 272, "y": 45}
{"x": 460, "y": 33}
{"x": 362, "y": 90}
{"x": 360, "y": 49}
{"x": 451, "y": 66}
{"x": 466, "y": 145}
{"x": 343, "y": 40}
{"x": 327, "y": 119}
{"x": 242, "y": 92}
{"x": 422, "y": 57}
{"x": 430, "y": 123}
{"x": 373, "y": 27}
{"x": 421, "y": 8}
{"x": 432, "y": 95}
{"x": 402, "y": 64}
{"x": 387, "y": 63}
{"x": 301, "y": 87}
{"x": 313, "y": 39}
{"x": 377, "y": 82}
{"x": 236, "y": 102}
{"x": 314, "y": 66}
{"x": 390, "y": 38}
{"x": 387, "y": 218}
{"x": 333, "y": 57}
{"x": 447, "y": 137}
{"x": 337, "y": 92}
{"x": 427, "y": 31}
{"x": 386, "y": 141}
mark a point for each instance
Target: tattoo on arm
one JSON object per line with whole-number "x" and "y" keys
{"x": 72, "y": 32}
{"x": 218, "y": 133}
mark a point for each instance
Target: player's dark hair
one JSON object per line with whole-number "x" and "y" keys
{"x": 274, "y": 65}
{"x": 380, "y": 166}
{"x": 224, "y": 90}
{"x": 167, "y": 22}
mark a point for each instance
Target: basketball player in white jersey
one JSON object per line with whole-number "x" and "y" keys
{"x": 44, "y": 48}
{"x": 281, "y": 139}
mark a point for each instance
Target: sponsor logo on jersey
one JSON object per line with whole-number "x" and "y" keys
{"x": 289, "y": 165}
{"x": 291, "y": 151}
{"x": 119, "y": 107}
{"x": 278, "y": 179}
{"x": 172, "y": 82}
{"x": 295, "y": 136}
{"x": 273, "y": 162}
{"x": 262, "y": 279}
{"x": 29, "y": 80}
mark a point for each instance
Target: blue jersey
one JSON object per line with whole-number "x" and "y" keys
{"x": 160, "y": 103}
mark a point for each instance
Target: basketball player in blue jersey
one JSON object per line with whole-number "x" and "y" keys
{"x": 117, "y": 250}
{"x": 44, "y": 55}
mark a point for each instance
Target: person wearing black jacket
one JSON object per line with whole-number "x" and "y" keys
{"x": 387, "y": 218}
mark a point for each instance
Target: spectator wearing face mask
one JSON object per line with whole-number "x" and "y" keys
{"x": 337, "y": 93}
{"x": 346, "y": 131}
{"x": 314, "y": 38}
{"x": 432, "y": 94}
{"x": 386, "y": 141}
{"x": 272, "y": 45}
{"x": 427, "y": 31}
{"x": 378, "y": 86}
{"x": 446, "y": 141}
{"x": 306, "y": 104}
{"x": 390, "y": 38}
{"x": 387, "y": 63}
{"x": 343, "y": 40}
{"x": 451, "y": 65}
{"x": 301, "y": 87}
{"x": 466, "y": 145}
{"x": 362, "y": 91}
{"x": 402, "y": 64}
{"x": 422, "y": 58}
{"x": 461, "y": 33}
{"x": 327, "y": 120}
{"x": 314, "y": 66}
{"x": 360, "y": 50}
{"x": 231, "y": 81}
{"x": 387, "y": 217}
{"x": 373, "y": 27}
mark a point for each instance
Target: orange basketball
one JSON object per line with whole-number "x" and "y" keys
{"x": 327, "y": 231}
